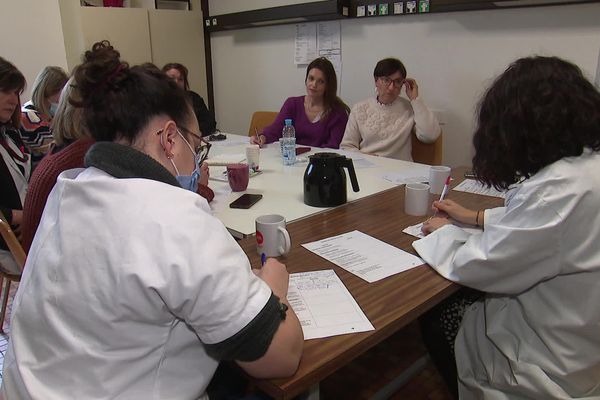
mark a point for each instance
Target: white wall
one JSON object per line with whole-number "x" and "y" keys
{"x": 453, "y": 56}
{"x": 32, "y": 37}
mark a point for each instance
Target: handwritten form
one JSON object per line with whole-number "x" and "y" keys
{"x": 364, "y": 256}
{"x": 473, "y": 186}
{"x": 324, "y": 306}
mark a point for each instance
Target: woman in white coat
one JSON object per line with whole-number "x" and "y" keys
{"x": 132, "y": 289}
{"x": 536, "y": 332}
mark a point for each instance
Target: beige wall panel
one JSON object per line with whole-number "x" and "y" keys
{"x": 32, "y": 37}
{"x": 177, "y": 36}
{"x": 126, "y": 28}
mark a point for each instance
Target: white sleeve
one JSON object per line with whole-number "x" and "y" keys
{"x": 518, "y": 248}
{"x": 427, "y": 127}
{"x": 352, "y": 137}
{"x": 210, "y": 284}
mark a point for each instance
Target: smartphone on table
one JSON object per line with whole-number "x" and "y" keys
{"x": 245, "y": 201}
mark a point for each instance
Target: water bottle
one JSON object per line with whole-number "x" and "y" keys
{"x": 289, "y": 143}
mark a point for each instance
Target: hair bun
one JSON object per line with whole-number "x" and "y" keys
{"x": 100, "y": 71}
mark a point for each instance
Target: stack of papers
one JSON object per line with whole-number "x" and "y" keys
{"x": 413, "y": 175}
{"x": 364, "y": 256}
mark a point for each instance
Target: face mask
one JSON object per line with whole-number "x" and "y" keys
{"x": 53, "y": 108}
{"x": 189, "y": 182}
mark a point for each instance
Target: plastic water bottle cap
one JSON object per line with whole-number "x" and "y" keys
{"x": 288, "y": 122}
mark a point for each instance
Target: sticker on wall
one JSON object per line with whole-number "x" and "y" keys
{"x": 411, "y": 6}
{"x": 214, "y": 21}
{"x": 423, "y": 6}
{"x": 399, "y": 8}
{"x": 383, "y": 9}
{"x": 372, "y": 9}
{"x": 360, "y": 11}
{"x": 207, "y": 22}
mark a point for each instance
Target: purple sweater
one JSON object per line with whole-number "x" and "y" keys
{"x": 326, "y": 132}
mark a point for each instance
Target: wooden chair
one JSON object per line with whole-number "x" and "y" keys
{"x": 8, "y": 273}
{"x": 427, "y": 153}
{"x": 260, "y": 120}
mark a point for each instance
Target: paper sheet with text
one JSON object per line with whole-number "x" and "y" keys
{"x": 324, "y": 305}
{"x": 364, "y": 256}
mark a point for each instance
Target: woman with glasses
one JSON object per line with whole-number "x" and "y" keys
{"x": 132, "y": 288}
{"x": 319, "y": 117}
{"x": 383, "y": 125}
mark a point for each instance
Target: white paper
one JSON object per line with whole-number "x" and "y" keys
{"x": 329, "y": 35}
{"x": 226, "y": 158}
{"x": 415, "y": 230}
{"x": 232, "y": 140}
{"x": 324, "y": 306}
{"x": 413, "y": 175}
{"x": 364, "y": 256}
{"x": 335, "y": 56}
{"x": 473, "y": 186}
{"x": 305, "y": 43}
{"x": 358, "y": 161}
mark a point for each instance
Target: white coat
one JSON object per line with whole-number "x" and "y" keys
{"x": 537, "y": 333}
{"x": 121, "y": 289}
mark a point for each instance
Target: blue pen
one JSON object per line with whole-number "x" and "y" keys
{"x": 263, "y": 259}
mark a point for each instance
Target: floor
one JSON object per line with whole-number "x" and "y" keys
{"x": 364, "y": 377}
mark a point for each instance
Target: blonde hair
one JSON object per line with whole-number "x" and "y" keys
{"x": 68, "y": 124}
{"x": 49, "y": 81}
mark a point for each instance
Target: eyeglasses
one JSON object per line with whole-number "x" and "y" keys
{"x": 201, "y": 149}
{"x": 386, "y": 82}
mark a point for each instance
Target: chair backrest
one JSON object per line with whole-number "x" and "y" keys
{"x": 427, "y": 153}
{"x": 12, "y": 242}
{"x": 260, "y": 120}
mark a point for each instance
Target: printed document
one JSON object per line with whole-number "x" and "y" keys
{"x": 324, "y": 306}
{"x": 364, "y": 256}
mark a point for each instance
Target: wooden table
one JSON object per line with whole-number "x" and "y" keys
{"x": 390, "y": 304}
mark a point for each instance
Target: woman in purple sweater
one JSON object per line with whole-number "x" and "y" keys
{"x": 319, "y": 117}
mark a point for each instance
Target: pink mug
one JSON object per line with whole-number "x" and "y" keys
{"x": 238, "y": 176}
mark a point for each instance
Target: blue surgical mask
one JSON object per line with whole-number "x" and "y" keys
{"x": 189, "y": 182}
{"x": 53, "y": 108}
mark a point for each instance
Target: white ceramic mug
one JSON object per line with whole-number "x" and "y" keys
{"x": 437, "y": 178}
{"x": 416, "y": 199}
{"x": 272, "y": 239}
{"x": 253, "y": 157}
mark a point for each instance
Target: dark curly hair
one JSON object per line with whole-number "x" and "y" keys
{"x": 541, "y": 109}
{"x": 119, "y": 101}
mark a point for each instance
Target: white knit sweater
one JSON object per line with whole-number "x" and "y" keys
{"x": 385, "y": 129}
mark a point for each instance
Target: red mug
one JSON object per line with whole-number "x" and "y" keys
{"x": 238, "y": 176}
